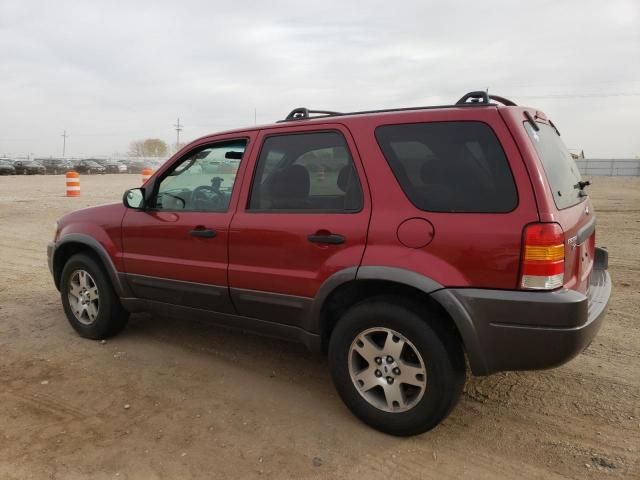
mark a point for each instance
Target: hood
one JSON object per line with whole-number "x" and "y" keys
{"x": 110, "y": 214}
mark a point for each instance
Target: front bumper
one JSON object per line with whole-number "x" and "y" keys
{"x": 51, "y": 248}
{"x": 521, "y": 330}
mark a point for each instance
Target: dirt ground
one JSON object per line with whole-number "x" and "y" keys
{"x": 176, "y": 399}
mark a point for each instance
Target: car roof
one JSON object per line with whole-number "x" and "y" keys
{"x": 305, "y": 116}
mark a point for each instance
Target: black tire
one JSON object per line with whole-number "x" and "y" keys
{"x": 111, "y": 318}
{"x": 434, "y": 339}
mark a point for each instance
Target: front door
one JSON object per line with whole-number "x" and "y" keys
{"x": 305, "y": 217}
{"x": 175, "y": 251}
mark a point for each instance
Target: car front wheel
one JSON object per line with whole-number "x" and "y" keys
{"x": 397, "y": 366}
{"x": 90, "y": 303}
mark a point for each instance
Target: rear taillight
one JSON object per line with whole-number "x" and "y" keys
{"x": 542, "y": 257}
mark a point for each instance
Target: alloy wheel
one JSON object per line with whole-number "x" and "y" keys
{"x": 84, "y": 297}
{"x": 387, "y": 370}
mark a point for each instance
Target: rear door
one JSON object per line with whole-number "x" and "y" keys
{"x": 303, "y": 217}
{"x": 573, "y": 209}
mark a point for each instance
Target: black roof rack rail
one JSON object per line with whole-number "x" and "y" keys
{"x": 482, "y": 97}
{"x": 302, "y": 113}
{"x": 472, "y": 99}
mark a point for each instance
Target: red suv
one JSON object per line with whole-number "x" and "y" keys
{"x": 406, "y": 244}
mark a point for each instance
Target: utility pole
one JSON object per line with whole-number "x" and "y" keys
{"x": 64, "y": 142}
{"x": 178, "y": 126}
{"x": 255, "y": 115}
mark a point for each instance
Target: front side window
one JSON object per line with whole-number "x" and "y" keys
{"x": 202, "y": 181}
{"x": 306, "y": 172}
{"x": 450, "y": 166}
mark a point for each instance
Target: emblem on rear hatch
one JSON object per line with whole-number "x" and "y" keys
{"x": 573, "y": 242}
{"x": 586, "y": 210}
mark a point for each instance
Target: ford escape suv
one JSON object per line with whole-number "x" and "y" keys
{"x": 409, "y": 245}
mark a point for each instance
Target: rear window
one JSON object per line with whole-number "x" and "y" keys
{"x": 450, "y": 166}
{"x": 562, "y": 172}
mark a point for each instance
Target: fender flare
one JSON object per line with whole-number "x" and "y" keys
{"x": 95, "y": 246}
{"x": 391, "y": 274}
{"x": 458, "y": 313}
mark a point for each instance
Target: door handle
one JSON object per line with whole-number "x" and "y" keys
{"x": 331, "y": 239}
{"x": 202, "y": 232}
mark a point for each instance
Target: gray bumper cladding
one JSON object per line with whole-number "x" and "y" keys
{"x": 519, "y": 330}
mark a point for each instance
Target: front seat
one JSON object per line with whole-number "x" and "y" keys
{"x": 290, "y": 189}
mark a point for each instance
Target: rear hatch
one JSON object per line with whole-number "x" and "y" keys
{"x": 573, "y": 209}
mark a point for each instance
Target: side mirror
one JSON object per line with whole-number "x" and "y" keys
{"x": 134, "y": 198}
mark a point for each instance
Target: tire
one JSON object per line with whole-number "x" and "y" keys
{"x": 103, "y": 315}
{"x": 430, "y": 354}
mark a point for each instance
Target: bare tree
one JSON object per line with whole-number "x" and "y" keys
{"x": 151, "y": 147}
{"x": 136, "y": 148}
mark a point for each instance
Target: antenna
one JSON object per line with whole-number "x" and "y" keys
{"x": 178, "y": 126}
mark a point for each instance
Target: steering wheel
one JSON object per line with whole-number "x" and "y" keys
{"x": 205, "y": 197}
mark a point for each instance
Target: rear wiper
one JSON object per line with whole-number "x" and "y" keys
{"x": 581, "y": 186}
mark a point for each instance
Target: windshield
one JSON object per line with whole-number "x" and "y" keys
{"x": 562, "y": 172}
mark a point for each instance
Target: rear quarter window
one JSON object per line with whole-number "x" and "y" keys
{"x": 450, "y": 166}
{"x": 561, "y": 170}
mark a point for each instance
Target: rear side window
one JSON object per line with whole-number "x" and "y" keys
{"x": 562, "y": 172}
{"x": 306, "y": 172}
{"x": 450, "y": 166}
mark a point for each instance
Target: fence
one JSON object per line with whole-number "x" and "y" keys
{"x": 610, "y": 167}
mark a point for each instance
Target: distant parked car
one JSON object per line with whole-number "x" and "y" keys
{"x": 124, "y": 166}
{"x": 137, "y": 166}
{"x": 113, "y": 166}
{"x": 29, "y": 167}
{"x": 89, "y": 166}
{"x": 6, "y": 167}
{"x": 55, "y": 166}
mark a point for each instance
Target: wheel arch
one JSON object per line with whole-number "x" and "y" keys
{"x": 78, "y": 243}
{"x": 350, "y": 286}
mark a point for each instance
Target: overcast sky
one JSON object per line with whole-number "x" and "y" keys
{"x": 111, "y": 72}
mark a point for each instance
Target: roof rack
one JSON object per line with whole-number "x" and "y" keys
{"x": 302, "y": 113}
{"x": 478, "y": 98}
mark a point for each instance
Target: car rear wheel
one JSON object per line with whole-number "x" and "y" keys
{"x": 397, "y": 366}
{"x": 90, "y": 303}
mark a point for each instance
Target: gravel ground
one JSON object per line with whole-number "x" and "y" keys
{"x": 178, "y": 399}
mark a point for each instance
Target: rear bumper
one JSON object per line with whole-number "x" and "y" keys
{"x": 514, "y": 330}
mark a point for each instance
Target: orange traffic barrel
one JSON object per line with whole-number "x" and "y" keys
{"x": 146, "y": 174}
{"x": 73, "y": 184}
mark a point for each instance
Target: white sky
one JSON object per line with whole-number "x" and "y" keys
{"x": 114, "y": 71}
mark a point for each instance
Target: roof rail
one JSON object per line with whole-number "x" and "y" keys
{"x": 481, "y": 96}
{"x": 472, "y": 99}
{"x": 302, "y": 113}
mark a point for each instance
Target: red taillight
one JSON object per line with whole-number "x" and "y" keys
{"x": 542, "y": 257}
